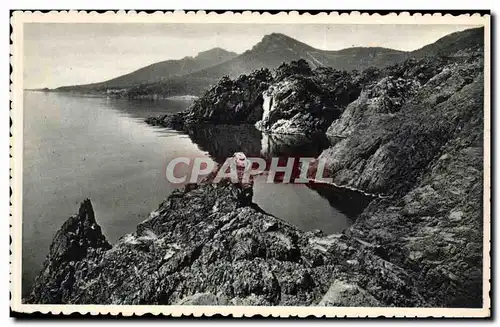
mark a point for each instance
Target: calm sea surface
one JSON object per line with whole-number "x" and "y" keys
{"x": 100, "y": 148}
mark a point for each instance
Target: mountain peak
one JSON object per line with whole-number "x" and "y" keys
{"x": 215, "y": 51}
{"x": 275, "y": 41}
{"x": 278, "y": 37}
{"x": 214, "y": 56}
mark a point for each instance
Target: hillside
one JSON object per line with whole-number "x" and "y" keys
{"x": 160, "y": 71}
{"x": 196, "y": 75}
{"x": 451, "y": 43}
{"x": 275, "y": 49}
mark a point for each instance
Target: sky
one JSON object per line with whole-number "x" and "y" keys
{"x": 59, "y": 54}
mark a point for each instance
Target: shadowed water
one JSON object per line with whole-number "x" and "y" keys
{"x": 307, "y": 206}
{"x": 100, "y": 148}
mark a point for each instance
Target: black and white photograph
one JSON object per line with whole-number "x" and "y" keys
{"x": 320, "y": 166}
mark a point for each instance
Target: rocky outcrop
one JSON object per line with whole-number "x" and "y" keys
{"x": 436, "y": 229}
{"x": 375, "y": 103}
{"x": 426, "y": 150}
{"x": 306, "y": 102}
{"x": 293, "y": 100}
{"x": 208, "y": 244}
{"x": 73, "y": 252}
{"x": 396, "y": 128}
{"x": 232, "y": 101}
{"x": 227, "y": 102}
{"x": 175, "y": 121}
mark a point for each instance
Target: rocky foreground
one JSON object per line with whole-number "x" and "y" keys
{"x": 413, "y": 131}
{"x": 209, "y": 245}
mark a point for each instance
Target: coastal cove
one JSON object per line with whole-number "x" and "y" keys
{"x": 78, "y": 147}
{"x": 400, "y": 221}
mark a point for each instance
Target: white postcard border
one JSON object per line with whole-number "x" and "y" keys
{"x": 19, "y": 18}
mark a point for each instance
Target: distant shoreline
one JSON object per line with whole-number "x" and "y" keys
{"x": 187, "y": 97}
{"x": 183, "y": 97}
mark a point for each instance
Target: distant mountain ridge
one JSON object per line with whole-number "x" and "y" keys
{"x": 193, "y": 75}
{"x": 162, "y": 70}
{"x": 276, "y": 48}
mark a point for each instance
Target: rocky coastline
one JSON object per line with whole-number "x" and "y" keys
{"x": 413, "y": 131}
{"x": 209, "y": 245}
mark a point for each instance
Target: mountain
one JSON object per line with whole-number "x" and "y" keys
{"x": 452, "y": 43}
{"x": 277, "y": 48}
{"x": 160, "y": 71}
{"x": 270, "y": 52}
{"x": 195, "y": 75}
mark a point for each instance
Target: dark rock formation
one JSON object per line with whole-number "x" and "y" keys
{"x": 387, "y": 96}
{"x": 71, "y": 255}
{"x": 396, "y": 128}
{"x": 174, "y": 121}
{"x": 305, "y": 102}
{"x": 227, "y": 102}
{"x": 232, "y": 101}
{"x": 295, "y": 100}
{"x": 208, "y": 244}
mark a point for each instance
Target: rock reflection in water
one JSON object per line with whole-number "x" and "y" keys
{"x": 351, "y": 203}
{"x": 282, "y": 145}
{"x": 308, "y": 207}
{"x": 222, "y": 141}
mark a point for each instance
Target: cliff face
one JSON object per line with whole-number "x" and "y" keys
{"x": 418, "y": 135}
{"x": 399, "y": 125}
{"x": 435, "y": 231}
